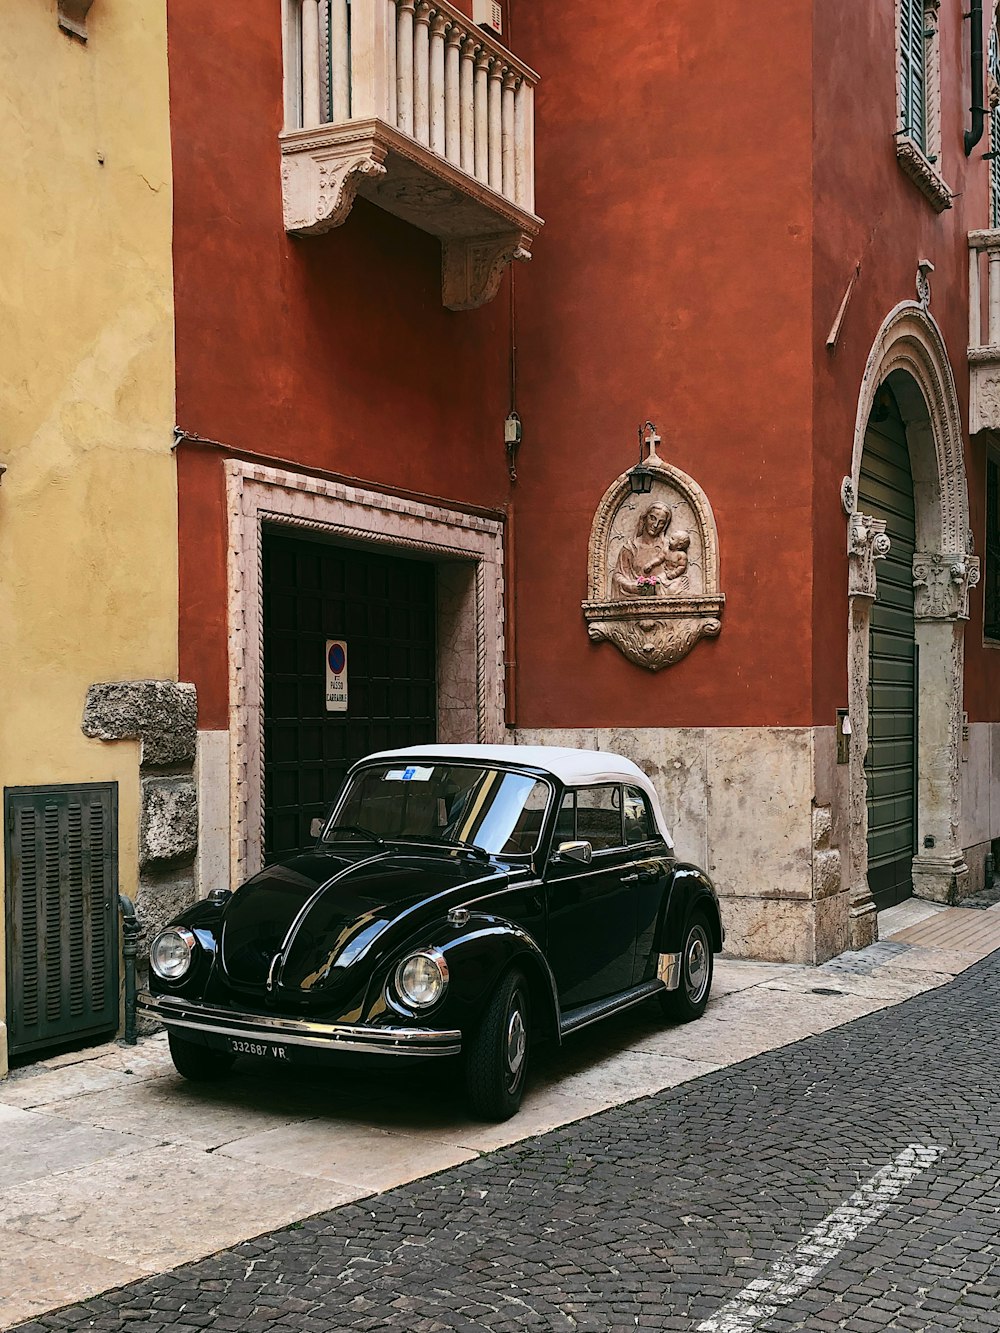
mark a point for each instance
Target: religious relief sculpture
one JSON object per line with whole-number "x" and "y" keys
{"x": 653, "y": 560}
{"x": 653, "y": 578}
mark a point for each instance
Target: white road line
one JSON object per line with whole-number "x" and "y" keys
{"x": 789, "y": 1277}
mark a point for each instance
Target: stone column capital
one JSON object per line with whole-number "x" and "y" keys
{"x": 866, "y": 543}
{"x": 941, "y": 583}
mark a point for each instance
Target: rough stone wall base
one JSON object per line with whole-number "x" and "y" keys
{"x": 162, "y": 715}
{"x": 761, "y": 810}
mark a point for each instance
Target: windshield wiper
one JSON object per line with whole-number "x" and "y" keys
{"x": 451, "y": 844}
{"x": 365, "y": 833}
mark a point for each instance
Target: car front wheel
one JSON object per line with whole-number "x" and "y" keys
{"x": 688, "y": 1001}
{"x": 198, "y": 1063}
{"x": 496, "y": 1056}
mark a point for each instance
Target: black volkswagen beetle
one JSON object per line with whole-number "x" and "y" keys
{"x": 459, "y": 901}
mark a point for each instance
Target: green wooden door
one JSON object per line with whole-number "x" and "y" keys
{"x": 886, "y": 492}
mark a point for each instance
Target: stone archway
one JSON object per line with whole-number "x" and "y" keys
{"x": 909, "y": 354}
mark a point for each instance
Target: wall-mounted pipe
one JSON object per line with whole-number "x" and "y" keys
{"x": 975, "y": 17}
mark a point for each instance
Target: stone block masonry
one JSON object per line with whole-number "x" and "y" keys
{"x": 163, "y": 716}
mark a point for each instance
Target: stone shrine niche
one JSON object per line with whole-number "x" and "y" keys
{"x": 653, "y": 584}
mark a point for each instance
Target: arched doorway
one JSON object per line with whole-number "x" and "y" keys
{"x": 885, "y": 491}
{"x": 908, "y": 374}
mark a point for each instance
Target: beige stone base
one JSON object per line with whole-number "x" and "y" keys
{"x": 779, "y": 930}
{"x": 757, "y": 808}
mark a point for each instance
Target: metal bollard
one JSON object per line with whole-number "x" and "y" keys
{"x": 130, "y": 939}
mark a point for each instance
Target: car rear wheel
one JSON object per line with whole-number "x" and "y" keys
{"x": 198, "y": 1063}
{"x": 688, "y": 1001}
{"x": 496, "y": 1056}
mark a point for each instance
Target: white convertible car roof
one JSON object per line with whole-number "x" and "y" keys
{"x": 575, "y": 768}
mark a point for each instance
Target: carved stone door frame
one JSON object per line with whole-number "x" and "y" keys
{"x": 468, "y": 549}
{"x": 910, "y": 354}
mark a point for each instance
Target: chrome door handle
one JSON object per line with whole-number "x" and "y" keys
{"x": 630, "y": 879}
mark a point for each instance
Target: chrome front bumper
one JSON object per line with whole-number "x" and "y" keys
{"x": 177, "y": 1014}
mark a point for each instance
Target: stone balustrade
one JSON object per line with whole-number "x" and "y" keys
{"x": 411, "y": 105}
{"x": 984, "y": 330}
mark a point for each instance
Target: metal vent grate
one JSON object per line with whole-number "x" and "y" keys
{"x": 61, "y": 913}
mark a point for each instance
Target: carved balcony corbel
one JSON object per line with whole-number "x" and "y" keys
{"x": 319, "y": 187}
{"x": 472, "y": 267}
{"x": 866, "y": 542}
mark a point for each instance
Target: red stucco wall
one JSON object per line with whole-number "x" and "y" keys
{"x": 705, "y": 205}
{"x": 868, "y": 211}
{"x": 334, "y": 352}
{"x": 672, "y": 280}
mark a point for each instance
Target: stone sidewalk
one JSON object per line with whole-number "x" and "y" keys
{"x": 114, "y": 1168}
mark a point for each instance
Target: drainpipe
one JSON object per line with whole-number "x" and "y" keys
{"x": 130, "y": 939}
{"x": 973, "y": 136}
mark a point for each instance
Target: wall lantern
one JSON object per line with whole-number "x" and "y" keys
{"x": 640, "y": 477}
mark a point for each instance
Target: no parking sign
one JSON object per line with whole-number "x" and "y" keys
{"x": 336, "y": 676}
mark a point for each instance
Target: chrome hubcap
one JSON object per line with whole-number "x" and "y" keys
{"x": 696, "y": 958}
{"x": 517, "y": 1042}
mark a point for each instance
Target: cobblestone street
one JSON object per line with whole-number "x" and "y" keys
{"x": 658, "y": 1214}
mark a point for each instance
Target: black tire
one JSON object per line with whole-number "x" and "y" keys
{"x": 198, "y": 1063}
{"x": 688, "y": 1001}
{"x": 496, "y": 1056}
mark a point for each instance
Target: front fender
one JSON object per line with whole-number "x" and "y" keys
{"x": 688, "y": 890}
{"x": 478, "y": 953}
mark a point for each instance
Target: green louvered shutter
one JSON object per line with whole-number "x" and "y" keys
{"x": 911, "y": 69}
{"x": 886, "y": 492}
{"x": 61, "y": 914}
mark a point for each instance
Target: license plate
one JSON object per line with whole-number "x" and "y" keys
{"x": 239, "y": 1046}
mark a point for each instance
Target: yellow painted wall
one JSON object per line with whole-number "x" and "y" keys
{"x": 88, "y": 528}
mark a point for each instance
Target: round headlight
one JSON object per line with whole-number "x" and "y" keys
{"x": 422, "y": 978}
{"x": 171, "y": 953}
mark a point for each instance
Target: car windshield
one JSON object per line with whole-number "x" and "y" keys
{"x": 488, "y": 808}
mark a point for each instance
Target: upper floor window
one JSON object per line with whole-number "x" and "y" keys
{"x": 918, "y": 100}
{"x": 913, "y": 70}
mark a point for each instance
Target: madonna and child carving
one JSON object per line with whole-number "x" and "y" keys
{"x": 655, "y": 561}
{"x": 653, "y": 577}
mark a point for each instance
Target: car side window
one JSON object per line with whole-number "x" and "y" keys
{"x": 599, "y": 817}
{"x": 638, "y": 820}
{"x": 566, "y": 819}
{"x": 525, "y": 833}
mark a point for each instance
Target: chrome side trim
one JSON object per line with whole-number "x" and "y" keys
{"x": 593, "y": 1013}
{"x": 668, "y": 969}
{"x": 177, "y": 1013}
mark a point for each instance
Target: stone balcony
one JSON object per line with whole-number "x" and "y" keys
{"x": 410, "y": 105}
{"x": 984, "y": 318}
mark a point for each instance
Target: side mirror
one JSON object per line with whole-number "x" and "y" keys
{"x": 316, "y": 828}
{"x": 574, "y": 851}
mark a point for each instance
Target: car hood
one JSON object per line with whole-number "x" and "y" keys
{"x": 301, "y": 925}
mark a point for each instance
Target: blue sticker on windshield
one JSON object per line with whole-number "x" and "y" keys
{"x": 415, "y": 773}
